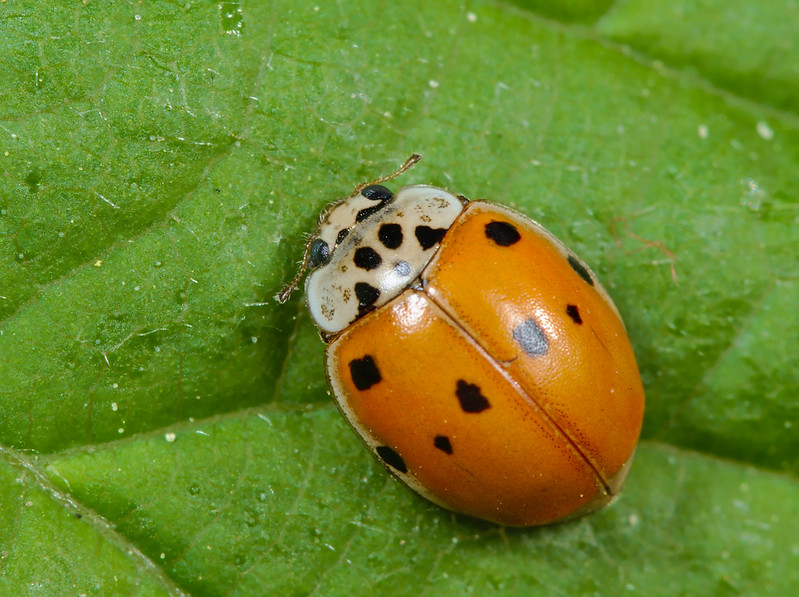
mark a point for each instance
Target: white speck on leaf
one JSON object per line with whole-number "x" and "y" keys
{"x": 765, "y": 131}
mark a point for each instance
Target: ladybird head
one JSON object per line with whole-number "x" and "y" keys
{"x": 371, "y": 247}
{"x": 320, "y": 246}
{"x": 336, "y": 222}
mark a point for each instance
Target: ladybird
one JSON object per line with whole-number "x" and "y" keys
{"x": 477, "y": 357}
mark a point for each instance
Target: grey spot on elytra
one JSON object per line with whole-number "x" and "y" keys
{"x": 531, "y": 338}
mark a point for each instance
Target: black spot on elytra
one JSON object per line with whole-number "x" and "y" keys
{"x": 502, "y": 233}
{"x": 390, "y": 235}
{"x": 573, "y": 312}
{"x": 470, "y": 397}
{"x": 367, "y": 258}
{"x": 427, "y": 236}
{"x": 391, "y": 458}
{"x": 367, "y": 296}
{"x": 364, "y": 373}
{"x": 342, "y": 234}
{"x": 581, "y": 270}
{"x": 377, "y": 192}
{"x": 442, "y": 443}
{"x": 531, "y": 338}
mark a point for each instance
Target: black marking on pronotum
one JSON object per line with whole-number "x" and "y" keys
{"x": 375, "y": 192}
{"x": 427, "y": 236}
{"x": 368, "y": 211}
{"x": 581, "y": 270}
{"x": 364, "y": 372}
{"x": 502, "y": 233}
{"x": 442, "y": 443}
{"x": 391, "y": 458}
{"x": 531, "y": 338}
{"x": 342, "y": 234}
{"x": 367, "y": 258}
{"x": 470, "y": 397}
{"x": 367, "y": 296}
{"x": 390, "y": 235}
{"x": 573, "y": 312}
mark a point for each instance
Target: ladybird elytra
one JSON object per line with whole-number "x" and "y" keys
{"x": 477, "y": 357}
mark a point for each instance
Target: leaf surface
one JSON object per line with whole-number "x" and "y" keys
{"x": 164, "y": 423}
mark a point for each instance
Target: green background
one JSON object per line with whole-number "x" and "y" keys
{"x": 165, "y": 425}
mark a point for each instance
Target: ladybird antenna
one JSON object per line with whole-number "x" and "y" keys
{"x": 289, "y": 288}
{"x": 407, "y": 165}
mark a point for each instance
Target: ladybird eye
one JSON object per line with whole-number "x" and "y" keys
{"x": 377, "y": 192}
{"x": 319, "y": 253}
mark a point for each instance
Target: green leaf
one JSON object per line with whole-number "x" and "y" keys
{"x": 164, "y": 423}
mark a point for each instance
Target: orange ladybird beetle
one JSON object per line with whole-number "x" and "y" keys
{"x": 478, "y": 358}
